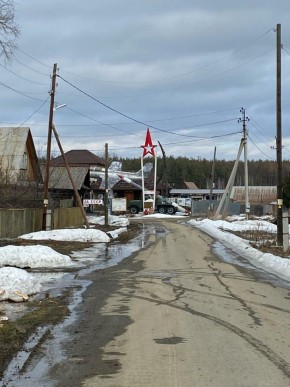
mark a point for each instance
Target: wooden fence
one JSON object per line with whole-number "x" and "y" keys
{"x": 67, "y": 217}
{"x": 16, "y": 222}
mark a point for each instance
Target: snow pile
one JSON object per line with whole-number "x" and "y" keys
{"x": 69, "y": 235}
{"x": 16, "y": 284}
{"x": 157, "y": 215}
{"x": 269, "y": 262}
{"x": 32, "y": 256}
{"x": 112, "y": 220}
{"x": 249, "y": 225}
{"x": 115, "y": 233}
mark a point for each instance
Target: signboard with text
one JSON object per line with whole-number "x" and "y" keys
{"x": 89, "y": 202}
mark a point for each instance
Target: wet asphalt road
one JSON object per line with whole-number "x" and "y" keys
{"x": 173, "y": 314}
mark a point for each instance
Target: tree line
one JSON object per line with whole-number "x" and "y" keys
{"x": 176, "y": 170}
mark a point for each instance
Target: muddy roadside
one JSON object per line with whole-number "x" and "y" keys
{"x": 43, "y": 309}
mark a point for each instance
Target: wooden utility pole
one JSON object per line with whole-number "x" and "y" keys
{"x": 48, "y": 151}
{"x": 279, "y": 143}
{"x": 70, "y": 176}
{"x": 106, "y": 185}
{"x": 212, "y": 181}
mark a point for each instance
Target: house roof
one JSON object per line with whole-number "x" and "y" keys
{"x": 257, "y": 194}
{"x": 190, "y": 185}
{"x": 15, "y": 146}
{"x": 182, "y": 191}
{"x": 79, "y": 158}
{"x": 59, "y": 178}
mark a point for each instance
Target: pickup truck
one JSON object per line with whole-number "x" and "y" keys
{"x": 162, "y": 205}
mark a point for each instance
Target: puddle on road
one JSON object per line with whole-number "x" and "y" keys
{"x": 230, "y": 256}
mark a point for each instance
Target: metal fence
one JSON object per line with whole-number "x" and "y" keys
{"x": 206, "y": 208}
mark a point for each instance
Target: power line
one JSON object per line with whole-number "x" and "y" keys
{"x": 122, "y": 114}
{"x": 268, "y": 157}
{"x": 31, "y": 57}
{"x": 20, "y": 76}
{"x": 28, "y": 118}
{"x": 99, "y": 122}
{"x": 189, "y": 83}
{"x": 30, "y": 68}
{"x": 182, "y": 74}
{"x": 21, "y": 92}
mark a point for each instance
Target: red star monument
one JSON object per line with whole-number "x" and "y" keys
{"x": 148, "y": 147}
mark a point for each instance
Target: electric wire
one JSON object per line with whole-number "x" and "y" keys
{"x": 31, "y": 57}
{"x": 182, "y": 74}
{"x": 267, "y": 156}
{"x": 100, "y": 123}
{"x": 20, "y": 76}
{"x": 122, "y": 114}
{"x": 189, "y": 83}
{"x": 30, "y": 68}
{"x": 28, "y": 118}
{"x": 21, "y": 92}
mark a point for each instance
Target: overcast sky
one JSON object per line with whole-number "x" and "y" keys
{"x": 183, "y": 68}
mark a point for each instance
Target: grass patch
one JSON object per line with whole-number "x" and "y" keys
{"x": 13, "y": 334}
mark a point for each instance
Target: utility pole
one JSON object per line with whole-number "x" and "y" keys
{"x": 212, "y": 181}
{"x": 106, "y": 185}
{"x": 48, "y": 151}
{"x": 70, "y": 177}
{"x": 244, "y": 119}
{"x": 279, "y": 143}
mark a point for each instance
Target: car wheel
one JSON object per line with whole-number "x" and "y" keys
{"x": 170, "y": 210}
{"x": 134, "y": 210}
{"x": 161, "y": 210}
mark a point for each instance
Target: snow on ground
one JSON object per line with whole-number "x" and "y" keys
{"x": 157, "y": 215}
{"x": 32, "y": 256}
{"x": 219, "y": 230}
{"x": 115, "y": 233}
{"x": 113, "y": 220}
{"x": 249, "y": 225}
{"x": 75, "y": 235}
{"x": 16, "y": 284}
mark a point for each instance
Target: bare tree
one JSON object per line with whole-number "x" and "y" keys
{"x": 9, "y": 30}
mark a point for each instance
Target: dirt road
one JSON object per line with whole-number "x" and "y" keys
{"x": 174, "y": 315}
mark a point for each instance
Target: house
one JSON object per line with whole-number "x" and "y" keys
{"x": 61, "y": 192}
{"x": 21, "y": 182}
{"x": 60, "y": 188}
{"x": 18, "y": 159}
{"x": 257, "y": 194}
{"x": 196, "y": 194}
{"x": 79, "y": 158}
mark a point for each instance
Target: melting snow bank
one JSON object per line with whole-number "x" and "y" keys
{"x": 75, "y": 235}
{"x": 269, "y": 262}
{"x": 33, "y": 257}
{"x": 16, "y": 284}
{"x": 113, "y": 220}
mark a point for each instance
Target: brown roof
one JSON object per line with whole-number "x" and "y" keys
{"x": 59, "y": 177}
{"x": 79, "y": 158}
{"x": 190, "y": 185}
